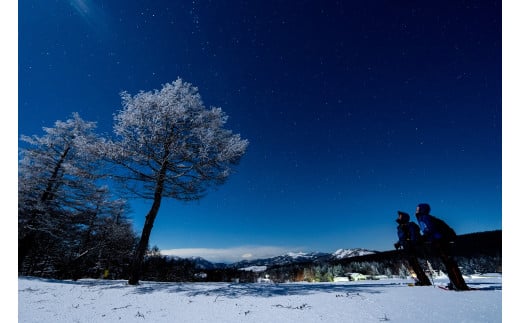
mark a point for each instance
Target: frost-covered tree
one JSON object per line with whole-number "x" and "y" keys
{"x": 168, "y": 144}
{"x": 55, "y": 175}
{"x": 67, "y": 219}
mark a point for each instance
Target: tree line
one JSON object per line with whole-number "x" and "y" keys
{"x": 72, "y": 222}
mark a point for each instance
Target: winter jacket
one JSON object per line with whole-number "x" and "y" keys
{"x": 409, "y": 234}
{"x": 430, "y": 231}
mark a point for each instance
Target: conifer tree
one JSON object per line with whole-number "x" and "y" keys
{"x": 55, "y": 174}
{"x": 168, "y": 144}
{"x": 63, "y": 210}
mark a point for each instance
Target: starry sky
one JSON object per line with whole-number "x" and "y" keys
{"x": 353, "y": 111}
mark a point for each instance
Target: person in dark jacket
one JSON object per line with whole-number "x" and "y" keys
{"x": 409, "y": 240}
{"x": 441, "y": 241}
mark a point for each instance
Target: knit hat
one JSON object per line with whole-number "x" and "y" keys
{"x": 423, "y": 208}
{"x": 402, "y": 217}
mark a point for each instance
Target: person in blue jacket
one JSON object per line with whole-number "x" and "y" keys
{"x": 409, "y": 241}
{"x": 440, "y": 237}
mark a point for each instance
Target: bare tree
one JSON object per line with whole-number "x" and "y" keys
{"x": 168, "y": 144}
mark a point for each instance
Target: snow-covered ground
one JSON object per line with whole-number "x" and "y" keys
{"x": 41, "y": 300}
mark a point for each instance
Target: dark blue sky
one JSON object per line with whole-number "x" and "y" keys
{"x": 352, "y": 111}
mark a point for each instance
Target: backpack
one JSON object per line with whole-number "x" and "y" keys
{"x": 414, "y": 232}
{"x": 443, "y": 229}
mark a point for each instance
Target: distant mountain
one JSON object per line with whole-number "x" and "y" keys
{"x": 200, "y": 263}
{"x": 286, "y": 259}
{"x": 302, "y": 257}
{"x": 348, "y": 253}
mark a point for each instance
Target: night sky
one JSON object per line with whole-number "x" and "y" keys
{"x": 352, "y": 111}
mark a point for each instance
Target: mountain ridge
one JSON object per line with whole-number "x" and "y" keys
{"x": 284, "y": 259}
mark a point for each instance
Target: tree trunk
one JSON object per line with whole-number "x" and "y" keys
{"x": 26, "y": 244}
{"x": 137, "y": 262}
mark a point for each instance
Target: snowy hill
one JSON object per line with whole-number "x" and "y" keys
{"x": 348, "y": 253}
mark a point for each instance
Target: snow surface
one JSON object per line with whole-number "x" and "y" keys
{"x": 90, "y": 300}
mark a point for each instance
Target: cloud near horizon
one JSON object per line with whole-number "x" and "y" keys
{"x": 230, "y": 255}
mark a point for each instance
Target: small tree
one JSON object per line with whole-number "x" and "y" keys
{"x": 169, "y": 145}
